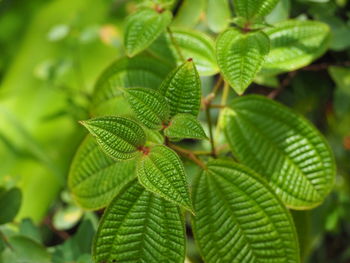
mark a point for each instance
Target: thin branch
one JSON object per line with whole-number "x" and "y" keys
{"x": 284, "y": 83}
{"x": 188, "y": 154}
{"x": 176, "y": 45}
{"x": 4, "y": 238}
{"x": 211, "y": 137}
{"x": 223, "y": 102}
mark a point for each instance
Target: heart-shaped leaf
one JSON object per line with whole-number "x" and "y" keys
{"x": 118, "y": 137}
{"x": 151, "y": 107}
{"x": 94, "y": 178}
{"x": 143, "y": 27}
{"x": 239, "y": 218}
{"x": 139, "y": 226}
{"x": 182, "y": 89}
{"x": 138, "y": 72}
{"x": 254, "y": 9}
{"x": 295, "y": 44}
{"x": 161, "y": 171}
{"x": 185, "y": 126}
{"x": 240, "y": 56}
{"x": 283, "y": 147}
{"x": 193, "y": 44}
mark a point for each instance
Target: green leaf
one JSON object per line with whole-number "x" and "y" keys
{"x": 182, "y": 89}
{"x": 185, "y": 126}
{"x": 118, "y": 137}
{"x": 94, "y": 178}
{"x": 151, "y": 107}
{"x": 10, "y": 203}
{"x": 161, "y": 171}
{"x": 283, "y": 147}
{"x": 218, "y": 15}
{"x": 254, "y": 9}
{"x": 143, "y": 27}
{"x": 295, "y": 44}
{"x": 137, "y": 72}
{"x": 239, "y": 218}
{"x": 240, "y": 56}
{"x": 189, "y": 13}
{"x": 193, "y": 44}
{"x": 139, "y": 226}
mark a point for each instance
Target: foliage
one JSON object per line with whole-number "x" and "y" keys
{"x": 212, "y": 137}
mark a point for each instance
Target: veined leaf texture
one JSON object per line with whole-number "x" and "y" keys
{"x": 94, "y": 178}
{"x": 283, "y": 147}
{"x": 253, "y": 9}
{"x": 118, "y": 137}
{"x": 239, "y": 218}
{"x": 139, "y": 226}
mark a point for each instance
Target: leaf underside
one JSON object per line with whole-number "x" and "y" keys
{"x": 241, "y": 56}
{"x": 185, "y": 126}
{"x": 161, "y": 171}
{"x": 150, "y": 107}
{"x": 283, "y": 147}
{"x": 142, "y": 28}
{"x": 137, "y": 227}
{"x": 138, "y": 72}
{"x": 239, "y": 219}
{"x": 94, "y": 178}
{"x": 182, "y": 89}
{"x": 254, "y": 9}
{"x": 295, "y": 44}
{"x": 118, "y": 137}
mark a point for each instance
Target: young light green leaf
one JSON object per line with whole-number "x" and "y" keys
{"x": 193, "y": 44}
{"x": 189, "y": 13}
{"x": 254, "y": 9}
{"x": 143, "y": 27}
{"x": 118, "y": 137}
{"x": 283, "y": 147}
{"x": 240, "y": 56}
{"x": 161, "y": 171}
{"x": 295, "y": 44}
{"x": 94, "y": 178}
{"x": 182, "y": 89}
{"x": 218, "y": 14}
{"x": 10, "y": 203}
{"x": 138, "y": 72}
{"x": 139, "y": 226}
{"x": 151, "y": 107}
{"x": 185, "y": 126}
{"x": 239, "y": 218}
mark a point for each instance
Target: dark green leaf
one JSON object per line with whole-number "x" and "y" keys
{"x": 182, "y": 89}
{"x": 239, "y": 218}
{"x": 283, "y": 147}
{"x": 139, "y": 226}
{"x": 10, "y": 203}
{"x": 150, "y": 107}
{"x": 240, "y": 56}
{"x": 94, "y": 178}
{"x": 118, "y": 137}
{"x": 143, "y": 27}
{"x": 185, "y": 126}
{"x": 161, "y": 171}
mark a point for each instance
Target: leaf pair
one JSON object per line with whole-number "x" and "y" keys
{"x": 159, "y": 168}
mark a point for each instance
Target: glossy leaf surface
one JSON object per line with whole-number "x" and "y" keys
{"x": 118, "y": 137}
{"x": 182, "y": 89}
{"x": 193, "y": 44}
{"x": 295, "y": 44}
{"x": 161, "y": 171}
{"x": 185, "y": 126}
{"x": 150, "y": 107}
{"x": 143, "y": 27}
{"x": 95, "y": 178}
{"x": 240, "y": 56}
{"x": 139, "y": 226}
{"x": 283, "y": 147}
{"x": 239, "y": 218}
{"x": 253, "y": 9}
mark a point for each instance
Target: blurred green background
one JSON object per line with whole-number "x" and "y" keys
{"x": 51, "y": 53}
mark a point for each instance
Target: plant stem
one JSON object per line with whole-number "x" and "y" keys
{"x": 176, "y": 45}
{"x": 223, "y": 102}
{"x": 211, "y": 137}
{"x": 188, "y": 154}
{"x": 4, "y": 238}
